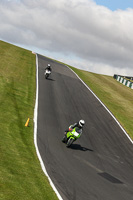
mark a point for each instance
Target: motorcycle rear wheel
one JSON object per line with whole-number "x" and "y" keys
{"x": 64, "y": 139}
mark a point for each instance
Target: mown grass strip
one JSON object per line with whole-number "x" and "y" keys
{"x": 117, "y": 97}
{"x": 21, "y": 176}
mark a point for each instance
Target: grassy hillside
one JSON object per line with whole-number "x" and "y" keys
{"x": 117, "y": 97}
{"x": 21, "y": 176}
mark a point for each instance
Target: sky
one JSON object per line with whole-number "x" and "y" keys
{"x": 116, "y": 4}
{"x": 93, "y": 35}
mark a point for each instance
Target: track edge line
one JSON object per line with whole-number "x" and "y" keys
{"x": 103, "y": 105}
{"x": 35, "y": 135}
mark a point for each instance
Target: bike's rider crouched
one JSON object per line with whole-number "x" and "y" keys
{"x": 48, "y": 68}
{"x": 78, "y": 127}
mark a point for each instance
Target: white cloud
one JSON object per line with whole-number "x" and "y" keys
{"x": 100, "y": 39}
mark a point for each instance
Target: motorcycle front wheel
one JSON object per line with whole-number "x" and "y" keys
{"x": 46, "y": 76}
{"x": 70, "y": 141}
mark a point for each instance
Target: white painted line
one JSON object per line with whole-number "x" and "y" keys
{"x": 35, "y": 134}
{"x": 104, "y": 106}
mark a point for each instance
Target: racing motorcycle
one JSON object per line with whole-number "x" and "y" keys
{"x": 70, "y": 137}
{"x": 47, "y": 73}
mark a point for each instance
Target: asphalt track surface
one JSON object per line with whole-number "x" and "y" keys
{"x": 98, "y": 166}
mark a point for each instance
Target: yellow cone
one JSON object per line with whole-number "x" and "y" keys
{"x": 27, "y": 123}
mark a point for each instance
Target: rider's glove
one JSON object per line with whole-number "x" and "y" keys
{"x": 70, "y": 129}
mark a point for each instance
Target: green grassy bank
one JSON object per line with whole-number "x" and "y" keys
{"x": 21, "y": 176}
{"x": 117, "y": 97}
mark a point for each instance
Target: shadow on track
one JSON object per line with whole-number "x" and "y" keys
{"x": 79, "y": 147}
{"x": 50, "y": 79}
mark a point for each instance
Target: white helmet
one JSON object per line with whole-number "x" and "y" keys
{"x": 48, "y": 65}
{"x": 81, "y": 122}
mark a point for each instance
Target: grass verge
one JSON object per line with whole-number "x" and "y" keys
{"x": 117, "y": 97}
{"x": 20, "y": 172}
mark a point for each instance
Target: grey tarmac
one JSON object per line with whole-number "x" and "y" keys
{"x": 98, "y": 166}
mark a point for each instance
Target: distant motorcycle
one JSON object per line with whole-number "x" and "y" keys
{"x": 70, "y": 137}
{"x": 47, "y": 73}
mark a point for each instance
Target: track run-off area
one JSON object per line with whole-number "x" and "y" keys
{"x": 98, "y": 166}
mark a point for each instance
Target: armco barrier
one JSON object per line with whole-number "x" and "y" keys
{"x": 124, "y": 81}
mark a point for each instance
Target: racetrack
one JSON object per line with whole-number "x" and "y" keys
{"x": 99, "y": 166}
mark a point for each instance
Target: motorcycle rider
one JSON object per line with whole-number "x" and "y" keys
{"x": 48, "y": 68}
{"x": 78, "y": 127}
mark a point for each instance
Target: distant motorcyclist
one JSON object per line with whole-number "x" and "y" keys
{"x": 48, "y": 68}
{"x": 78, "y": 127}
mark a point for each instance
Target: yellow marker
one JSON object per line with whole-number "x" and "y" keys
{"x": 27, "y": 123}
